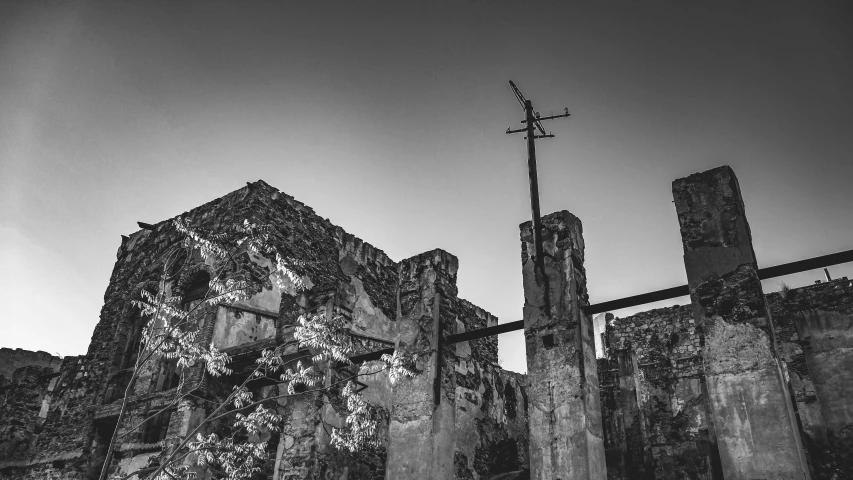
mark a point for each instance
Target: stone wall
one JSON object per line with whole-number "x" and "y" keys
{"x": 491, "y": 404}
{"x": 20, "y": 407}
{"x": 57, "y": 406}
{"x": 814, "y": 332}
{"x": 668, "y": 348}
{"x": 11, "y": 360}
{"x": 343, "y": 276}
{"x": 814, "y": 336}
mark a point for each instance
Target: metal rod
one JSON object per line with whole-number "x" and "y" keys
{"x": 550, "y": 117}
{"x": 484, "y": 332}
{"x": 807, "y": 264}
{"x": 634, "y": 300}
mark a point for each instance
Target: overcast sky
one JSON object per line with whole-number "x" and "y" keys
{"x": 389, "y": 119}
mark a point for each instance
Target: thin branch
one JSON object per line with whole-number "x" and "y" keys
{"x": 303, "y": 393}
{"x": 192, "y": 434}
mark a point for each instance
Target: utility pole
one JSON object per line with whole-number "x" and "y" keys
{"x": 533, "y": 123}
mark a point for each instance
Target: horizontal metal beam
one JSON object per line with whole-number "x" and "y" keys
{"x": 763, "y": 274}
{"x": 807, "y": 264}
{"x": 634, "y": 300}
{"x": 485, "y": 332}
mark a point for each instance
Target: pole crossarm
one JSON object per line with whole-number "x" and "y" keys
{"x": 533, "y": 117}
{"x": 552, "y": 117}
{"x": 634, "y": 300}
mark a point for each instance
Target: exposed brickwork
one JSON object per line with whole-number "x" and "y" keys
{"x": 668, "y": 347}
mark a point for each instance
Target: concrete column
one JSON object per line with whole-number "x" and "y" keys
{"x": 638, "y": 454}
{"x": 566, "y": 439}
{"x": 749, "y": 403}
{"x": 422, "y": 423}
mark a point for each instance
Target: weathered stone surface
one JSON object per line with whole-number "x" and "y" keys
{"x": 814, "y": 328}
{"x": 11, "y": 360}
{"x": 563, "y": 399}
{"x": 753, "y": 419}
{"x": 410, "y": 305}
{"x": 668, "y": 379}
{"x": 671, "y": 378}
{"x": 422, "y": 419}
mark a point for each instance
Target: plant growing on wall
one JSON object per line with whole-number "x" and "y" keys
{"x": 171, "y": 332}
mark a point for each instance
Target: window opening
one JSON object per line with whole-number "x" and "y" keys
{"x": 157, "y": 427}
{"x": 197, "y": 288}
{"x": 168, "y": 375}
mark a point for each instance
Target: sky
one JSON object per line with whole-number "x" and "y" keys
{"x": 389, "y": 118}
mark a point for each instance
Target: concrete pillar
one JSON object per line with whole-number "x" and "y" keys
{"x": 422, "y": 424}
{"x": 566, "y": 439}
{"x": 749, "y": 403}
{"x": 638, "y": 454}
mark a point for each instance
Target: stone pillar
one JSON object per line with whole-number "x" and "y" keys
{"x": 566, "y": 439}
{"x": 422, "y": 424}
{"x": 749, "y": 403}
{"x": 638, "y": 454}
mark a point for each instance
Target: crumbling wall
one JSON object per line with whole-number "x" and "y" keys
{"x": 11, "y": 360}
{"x": 91, "y": 387}
{"x": 59, "y": 450}
{"x": 491, "y": 408}
{"x": 668, "y": 349}
{"x": 20, "y": 406}
{"x": 343, "y": 276}
{"x": 814, "y": 330}
{"x": 26, "y": 383}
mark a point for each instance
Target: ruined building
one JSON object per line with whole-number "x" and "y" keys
{"x": 737, "y": 385}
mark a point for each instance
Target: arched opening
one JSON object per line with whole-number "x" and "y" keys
{"x": 196, "y": 289}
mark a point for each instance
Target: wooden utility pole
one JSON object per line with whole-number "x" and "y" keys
{"x": 533, "y": 123}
